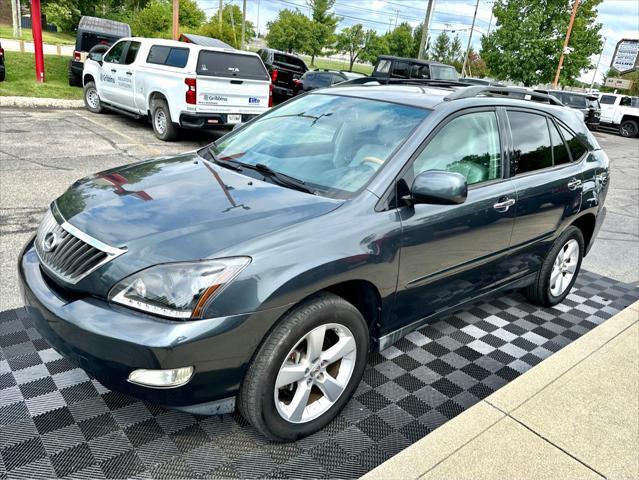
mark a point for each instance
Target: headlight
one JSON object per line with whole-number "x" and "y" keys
{"x": 177, "y": 290}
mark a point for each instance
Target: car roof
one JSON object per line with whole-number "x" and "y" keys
{"x": 193, "y": 46}
{"x": 413, "y": 60}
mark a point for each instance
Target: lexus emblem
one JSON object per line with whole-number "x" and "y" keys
{"x": 50, "y": 242}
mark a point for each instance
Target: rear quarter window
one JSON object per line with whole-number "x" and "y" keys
{"x": 169, "y": 56}
{"x": 231, "y": 65}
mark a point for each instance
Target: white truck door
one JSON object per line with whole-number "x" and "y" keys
{"x": 608, "y": 106}
{"x": 109, "y": 70}
{"x": 125, "y": 77}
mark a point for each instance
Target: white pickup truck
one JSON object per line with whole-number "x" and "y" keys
{"x": 177, "y": 84}
{"x": 620, "y": 111}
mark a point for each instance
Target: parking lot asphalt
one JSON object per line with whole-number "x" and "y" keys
{"x": 43, "y": 151}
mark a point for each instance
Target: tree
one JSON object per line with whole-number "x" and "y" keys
{"x": 476, "y": 65}
{"x": 528, "y": 39}
{"x": 322, "y": 31}
{"x": 374, "y": 46}
{"x": 156, "y": 18}
{"x": 290, "y": 31}
{"x": 441, "y": 47}
{"x": 64, "y": 14}
{"x": 400, "y": 40}
{"x": 230, "y": 32}
{"x": 359, "y": 44}
{"x": 455, "y": 56}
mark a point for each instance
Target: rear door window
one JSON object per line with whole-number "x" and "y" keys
{"x": 231, "y": 65}
{"x": 607, "y": 99}
{"x": 531, "y": 141}
{"x": 419, "y": 71}
{"x": 400, "y": 70}
{"x": 169, "y": 56}
{"x": 383, "y": 66}
{"x": 559, "y": 149}
{"x": 323, "y": 79}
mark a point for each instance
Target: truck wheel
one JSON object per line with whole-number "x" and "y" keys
{"x": 559, "y": 270}
{"x": 91, "y": 98}
{"x": 306, "y": 370}
{"x": 163, "y": 127}
{"x": 628, "y": 128}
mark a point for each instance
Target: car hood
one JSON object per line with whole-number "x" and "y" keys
{"x": 181, "y": 197}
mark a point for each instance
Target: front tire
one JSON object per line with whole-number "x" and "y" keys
{"x": 559, "y": 269}
{"x": 91, "y": 98}
{"x": 306, "y": 370}
{"x": 628, "y": 129}
{"x": 163, "y": 127}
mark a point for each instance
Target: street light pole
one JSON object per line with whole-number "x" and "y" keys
{"x": 422, "y": 43}
{"x": 14, "y": 17}
{"x": 470, "y": 38}
{"x": 243, "y": 21}
{"x": 176, "y": 19}
{"x": 561, "y": 57}
{"x": 594, "y": 76}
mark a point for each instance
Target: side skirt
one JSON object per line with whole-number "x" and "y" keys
{"x": 390, "y": 338}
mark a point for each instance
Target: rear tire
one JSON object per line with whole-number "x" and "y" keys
{"x": 302, "y": 341}
{"x": 91, "y": 98}
{"x": 628, "y": 129}
{"x": 559, "y": 270}
{"x": 163, "y": 127}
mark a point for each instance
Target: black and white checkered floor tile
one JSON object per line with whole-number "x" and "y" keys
{"x": 57, "y": 422}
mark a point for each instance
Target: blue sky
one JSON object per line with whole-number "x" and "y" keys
{"x": 620, "y": 18}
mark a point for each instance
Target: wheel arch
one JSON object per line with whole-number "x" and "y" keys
{"x": 586, "y": 223}
{"x": 87, "y": 77}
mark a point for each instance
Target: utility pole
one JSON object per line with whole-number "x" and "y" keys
{"x": 243, "y": 21}
{"x": 396, "y": 16}
{"x": 19, "y": 18}
{"x": 490, "y": 22}
{"x": 258, "y": 19}
{"x": 594, "y": 76}
{"x": 470, "y": 39}
{"x": 36, "y": 28}
{"x": 176, "y": 19}
{"x": 14, "y": 17}
{"x": 563, "y": 51}
{"x": 219, "y": 17}
{"x": 422, "y": 43}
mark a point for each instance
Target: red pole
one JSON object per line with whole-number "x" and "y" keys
{"x": 575, "y": 5}
{"x": 36, "y": 27}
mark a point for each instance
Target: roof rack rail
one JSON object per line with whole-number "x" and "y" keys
{"x": 488, "y": 90}
{"x": 405, "y": 81}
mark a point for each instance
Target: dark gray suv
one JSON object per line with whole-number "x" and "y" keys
{"x": 261, "y": 270}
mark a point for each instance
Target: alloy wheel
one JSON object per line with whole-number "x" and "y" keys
{"x": 92, "y": 98}
{"x": 564, "y": 268}
{"x": 315, "y": 373}
{"x": 160, "y": 121}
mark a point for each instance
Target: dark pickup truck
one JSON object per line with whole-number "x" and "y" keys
{"x": 284, "y": 69}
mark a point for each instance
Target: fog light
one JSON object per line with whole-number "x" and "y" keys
{"x": 174, "y": 377}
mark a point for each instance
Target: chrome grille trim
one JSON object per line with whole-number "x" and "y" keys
{"x": 74, "y": 254}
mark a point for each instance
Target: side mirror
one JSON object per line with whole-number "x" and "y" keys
{"x": 439, "y": 187}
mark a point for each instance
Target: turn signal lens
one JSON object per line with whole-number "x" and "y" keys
{"x": 174, "y": 377}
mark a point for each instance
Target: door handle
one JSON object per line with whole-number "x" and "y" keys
{"x": 129, "y": 73}
{"x": 113, "y": 70}
{"x": 574, "y": 184}
{"x": 505, "y": 205}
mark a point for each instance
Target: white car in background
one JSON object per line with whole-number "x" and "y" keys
{"x": 621, "y": 112}
{"x": 177, "y": 84}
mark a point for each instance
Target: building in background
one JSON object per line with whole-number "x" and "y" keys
{"x": 626, "y": 56}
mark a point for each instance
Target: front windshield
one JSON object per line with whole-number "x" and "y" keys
{"x": 334, "y": 144}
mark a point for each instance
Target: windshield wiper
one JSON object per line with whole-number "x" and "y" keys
{"x": 282, "y": 178}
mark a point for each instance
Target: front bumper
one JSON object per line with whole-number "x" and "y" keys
{"x": 109, "y": 341}
{"x": 209, "y": 120}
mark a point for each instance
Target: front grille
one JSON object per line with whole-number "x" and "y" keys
{"x": 69, "y": 253}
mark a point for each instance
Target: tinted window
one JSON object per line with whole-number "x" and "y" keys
{"x": 290, "y": 60}
{"x": 400, "y": 70}
{"x": 219, "y": 64}
{"x": 572, "y": 100}
{"x": 577, "y": 149}
{"x": 132, "y": 52}
{"x": 113, "y": 55}
{"x": 419, "y": 71}
{"x": 170, "y": 56}
{"x": 443, "y": 72}
{"x": 559, "y": 150}
{"x": 625, "y": 101}
{"x": 607, "y": 99}
{"x": 323, "y": 79}
{"x": 337, "y": 78}
{"x": 531, "y": 141}
{"x": 468, "y": 145}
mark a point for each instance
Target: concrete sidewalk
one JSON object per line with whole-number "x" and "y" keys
{"x": 575, "y": 415}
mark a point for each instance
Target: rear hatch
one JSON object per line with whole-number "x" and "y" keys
{"x": 289, "y": 68}
{"x": 231, "y": 83}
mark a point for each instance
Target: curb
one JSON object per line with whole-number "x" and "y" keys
{"x": 446, "y": 441}
{"x": 35, "y": 102}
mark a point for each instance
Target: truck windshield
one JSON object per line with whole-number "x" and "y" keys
{"x": 232, "y": 65}
{"x": 334, "y": 144}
